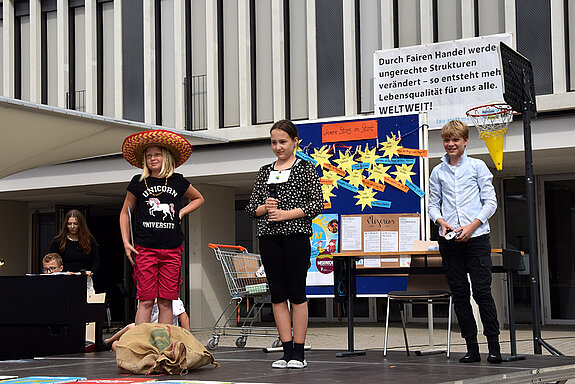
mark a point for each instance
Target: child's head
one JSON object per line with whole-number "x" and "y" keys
{"x": 51, "y": 263}
{"x": 168, "y": 164}
{"x": 174, "y": 149}
{"x": 455, "y": 129}
{"x": 74, "y": 222}
{"x": 287, "y": 126}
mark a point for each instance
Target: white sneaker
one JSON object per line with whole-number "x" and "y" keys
{"x": 281, "y": 364}
{"x": 296, "y": 364}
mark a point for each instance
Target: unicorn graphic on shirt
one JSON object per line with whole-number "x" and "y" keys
{"x": 155, "y": 206}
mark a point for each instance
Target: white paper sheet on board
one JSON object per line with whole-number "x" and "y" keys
{"x": 371, "y": 242}
{"x": 389, "y": 241}
{"x": 351, "y": 233}
{"x": 408, "y": 233}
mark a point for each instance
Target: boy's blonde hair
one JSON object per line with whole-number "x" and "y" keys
{"x": 455, "y": 128}
{"x": 53, "y": 257}
{"x": 168, "y": 163}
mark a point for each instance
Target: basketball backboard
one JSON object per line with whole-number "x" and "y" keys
{"x": 517, "y": 79}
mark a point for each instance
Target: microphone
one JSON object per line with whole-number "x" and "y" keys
{"x": 273, "y": 190}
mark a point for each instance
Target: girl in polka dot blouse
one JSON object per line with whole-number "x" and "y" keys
{"x": 286, "y": 197}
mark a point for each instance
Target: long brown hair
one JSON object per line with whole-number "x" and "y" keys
{"x": 84, "y": 235}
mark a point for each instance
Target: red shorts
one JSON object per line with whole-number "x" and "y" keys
{"x": 158, "y": 273}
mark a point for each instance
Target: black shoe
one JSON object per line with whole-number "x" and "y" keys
{"x": 494, "y": 358}
{"x": 471, "y": 358}
{"x": 105, "y": 345}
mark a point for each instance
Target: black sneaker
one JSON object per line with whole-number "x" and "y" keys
{"x": 471, "y": 358}
{"x": 494, "y": 358}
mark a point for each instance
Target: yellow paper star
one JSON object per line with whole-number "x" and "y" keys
{"x": 403, "y": 172}
{"x": 297, "y": 147}
{"x": 345, "y": 161}
{"x": 321, "y": 155}
{"x": 378, "y": 172}
{"x": 355, "y": 177}
{"x": 390, "y": 146}
{"x": 365, "y": 197}
{"x": 331, "y": 175}
{"x": 326, "y": 190}
{"x": 368, "y": 156}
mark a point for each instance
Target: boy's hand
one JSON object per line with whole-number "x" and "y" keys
{"x": 445, "y": 227}
{"x": 467, "y": 230}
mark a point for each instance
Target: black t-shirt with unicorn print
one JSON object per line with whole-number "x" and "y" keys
{"x": 157, "y": 210}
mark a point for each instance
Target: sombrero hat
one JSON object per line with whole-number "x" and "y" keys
{"x": 134, "y": 146}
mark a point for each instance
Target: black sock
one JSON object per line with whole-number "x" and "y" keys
{"x": 472, "y": 346}
{"x": 298, "y": 353}
{"x": 288, "y": 350}
{"x": 493, "y": 345}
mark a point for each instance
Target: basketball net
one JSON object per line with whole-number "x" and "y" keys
{"x": 492, "y": 121}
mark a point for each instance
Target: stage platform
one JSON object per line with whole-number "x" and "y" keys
{"x": 253, "y": 365}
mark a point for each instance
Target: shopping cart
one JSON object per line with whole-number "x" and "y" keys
{"x": 246, "y": 279}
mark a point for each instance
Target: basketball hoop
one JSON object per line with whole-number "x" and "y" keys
{"x": 491, "y": 121}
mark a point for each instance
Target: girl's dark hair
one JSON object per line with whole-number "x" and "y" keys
{"x": 84, "y": 234}
{"x": 286, "y": 126}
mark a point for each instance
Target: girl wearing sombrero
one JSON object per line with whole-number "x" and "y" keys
{"x": 155, "y": 198}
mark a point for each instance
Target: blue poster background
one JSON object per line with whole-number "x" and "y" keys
{"x": 343, "y": 201}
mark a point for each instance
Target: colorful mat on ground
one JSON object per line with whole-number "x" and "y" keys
{"x": 42, "y": 380}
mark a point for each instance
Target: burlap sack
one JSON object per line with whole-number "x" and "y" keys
{"x": 160, "y": 349}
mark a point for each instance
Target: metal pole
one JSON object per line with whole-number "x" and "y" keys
{"x": 510, "y": 303}
{"x": 350, "y": 341}
{"x": 532, "y": 217}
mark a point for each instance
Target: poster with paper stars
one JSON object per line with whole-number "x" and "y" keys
{"x": 366, "y": 166}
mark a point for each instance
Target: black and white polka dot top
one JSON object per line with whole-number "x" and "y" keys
{"x": 301, "y": 190}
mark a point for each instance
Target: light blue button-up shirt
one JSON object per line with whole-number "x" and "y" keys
{"x": 460, "y": 194}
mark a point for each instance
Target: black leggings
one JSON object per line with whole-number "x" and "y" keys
{"x": 286, "y": 260}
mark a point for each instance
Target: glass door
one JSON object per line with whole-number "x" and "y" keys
{"x": 558, "y": 254}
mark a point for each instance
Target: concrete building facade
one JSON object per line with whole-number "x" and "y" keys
{"x": 229, "y": 69}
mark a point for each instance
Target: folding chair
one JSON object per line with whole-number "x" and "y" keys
{"x": 411, "y": 296}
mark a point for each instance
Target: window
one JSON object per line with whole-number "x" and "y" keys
{"x": 107, "y": 99}
{"x": 22, "y": 57}
{"x": 570, "y": 44}
{"x": 49, "y": 59}
{"x": 1, "y": 50}
{"x": 262, "y": 61}
{"x": 408, "y": 26}
{"x": 133, "y": 62}
{"x": 296, "y": 71}
{"x": 369, "y": 41}
{"x": 447, "y": 20}
{"x": 197, "y": 29}
{"x": 195, "y": 84}
{"x": 490, "y": 16}
{"x": 167, "y": 58}
{"x": 77, "y": 86}
{"x": 329, "y": 47}
{"x": 228, "y": 63}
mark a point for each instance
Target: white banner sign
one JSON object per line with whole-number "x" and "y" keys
{"x": 443, "y": 79}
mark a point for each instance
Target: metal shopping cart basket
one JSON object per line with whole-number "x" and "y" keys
{"x": 246, "y": 279}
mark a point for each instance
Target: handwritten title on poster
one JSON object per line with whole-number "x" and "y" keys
{"x": 443, "y": 79}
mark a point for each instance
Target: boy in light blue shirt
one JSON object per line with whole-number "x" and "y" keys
{"x": 461, "y": 201}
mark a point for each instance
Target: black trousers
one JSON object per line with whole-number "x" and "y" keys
{"x": 473, "y": 257}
